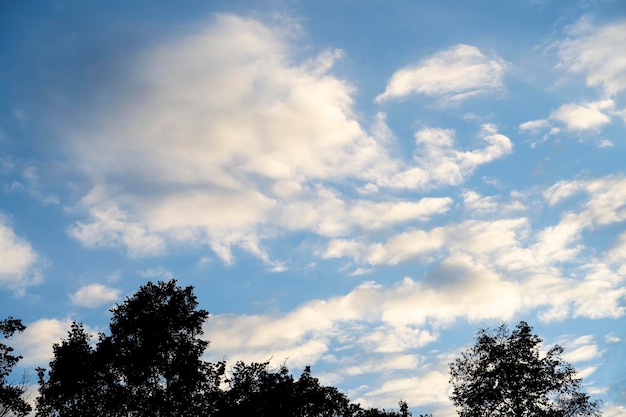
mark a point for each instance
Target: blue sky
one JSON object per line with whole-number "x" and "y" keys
{"x": 355, "y": 186}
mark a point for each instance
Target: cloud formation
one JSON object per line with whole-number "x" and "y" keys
{"x": 18, "y": 268}
{"x": 94, "y": 295}
{"x": 451, "y": 75}
{"x": 597, "y": 52}
{"x": 226, "y": 119}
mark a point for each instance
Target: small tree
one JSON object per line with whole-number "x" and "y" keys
{"x": 11, "y": 396}
{"x": 75, "y": 383}
{"x": 506, "y": 374}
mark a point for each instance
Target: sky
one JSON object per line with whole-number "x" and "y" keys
{"x": 358, "y": 186}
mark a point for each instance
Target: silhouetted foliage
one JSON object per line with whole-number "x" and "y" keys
{"x": 11, "y": 395}
{"x": 150, "y": 365}
{"x": 506, "y": 374}
{"x": 155, "y": 350}
{"x": 75, "y": 384}
{"x": 254, "y": 390}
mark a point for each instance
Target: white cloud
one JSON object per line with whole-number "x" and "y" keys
{"x": 534, "y": 125}
{"x": 574, "y": 117}
{"x": 226, "y": 119}
{"x": 479, "y": 205}
{"x": 110, "y": 227}
{"x": 437, "y": 163}
{"x": 596, "y": 51}
{"x": 18, "y": 268}
{"x": 429, "y": 388}
{"x": 582, "y": 349}
{"x": 94, "y": 295}
{"x": 584, "y": 116}
{"x": 384, "y": 365}
{"x": 451, "y": 75}
{"x": 606, "y": 203}
{"x": 605, "y": 143}
{"x": 459, "y": 288}
{"x": 613, "y": 410}
{"x": 35, "y": 343}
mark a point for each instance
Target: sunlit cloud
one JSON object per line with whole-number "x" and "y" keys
{"x": 94, "y": 295}
{"x": 452, "y": 75}
{"x": 19, "y": 265}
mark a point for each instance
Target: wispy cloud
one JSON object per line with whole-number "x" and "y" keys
{"x": 596, "y": 51}
{"x": 451, "y": 76}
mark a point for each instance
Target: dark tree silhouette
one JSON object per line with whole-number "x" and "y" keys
{"x": 150, "y": 365}
{"x": 506, "y": 374}
{"x": 255, "y": 390}
{"x": 155, "y": 351}
{"x": 11, "y": 395}
{"x": 75, "y": 384}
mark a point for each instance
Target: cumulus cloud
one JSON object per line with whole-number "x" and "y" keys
{"x": 18, "y": 268}
{"x": 35, "y": 343}
{"x": 574, "y": 117}
{"x": 584, "y": 116}
{"x": 430, "y": 388}
{"x": 229, "y": 140}
{"x": 477, "y": 270}
{"x": 438, "y": 163}
{"x": 450, "y": 75}
{"x": 596, "y": 51}
{"x": 94, "y": 295}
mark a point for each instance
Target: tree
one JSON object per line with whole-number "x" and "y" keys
{"x": 506, "y": 374}
{"x": 149, "y": 365}
{"x": 154, "y": 351}
{"x": 75, "y": 384}
{"x": 11, "y": 396}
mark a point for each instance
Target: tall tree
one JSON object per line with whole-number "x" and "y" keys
{"x": 155, "y": 349}
{"x": 11, "y": 395}
{"x": 506, "y": 374}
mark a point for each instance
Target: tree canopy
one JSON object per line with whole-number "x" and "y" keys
{"x": 506, "y": 373}
{"x": 151, "y": 365}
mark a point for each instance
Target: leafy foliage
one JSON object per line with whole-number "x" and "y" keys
{"x": 506, "y": 374}
{"x": 11, "y": 396}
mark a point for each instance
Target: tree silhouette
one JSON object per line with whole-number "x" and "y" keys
{"x": 151, "y": 365}
{"x": 255, "y": 390}
{"x": 506, "y": 374}
{"x": 11, "y": 396}
{"x": 75, "y": 384}
{"x": 155, "y": 351}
